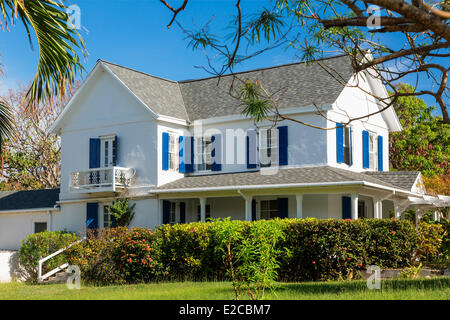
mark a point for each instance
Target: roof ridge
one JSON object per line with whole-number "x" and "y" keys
{"x": 264, "y": 68}
{"x": 392, "y": 172}
{"x": 337, "y": 171}
{"x": 225, "y": 75}
{"x": 365, "y": 173}
{"x": 138, "y": 71}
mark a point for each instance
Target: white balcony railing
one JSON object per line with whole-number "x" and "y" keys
{"x": 102, "y": 179}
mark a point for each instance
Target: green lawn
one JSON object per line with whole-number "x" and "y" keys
{"x": 438, "y": 288}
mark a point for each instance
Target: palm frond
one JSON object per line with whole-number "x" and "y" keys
{"x": 59, "y": 45}
{"x": 6, "y": 122}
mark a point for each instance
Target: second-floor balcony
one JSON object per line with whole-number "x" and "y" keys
{"x": 110, "y": 179}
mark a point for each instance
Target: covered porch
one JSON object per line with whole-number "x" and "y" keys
{"x": 257, "y": 207}
{"x": 326, "y": 193}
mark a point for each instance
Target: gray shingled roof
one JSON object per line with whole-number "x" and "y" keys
{"x": 402, "y": 179}
{"x": 300, "y": 85}
{"x": 161, "y": 95}
{"x": 324, "y": 174}
{"x": 33, "y": 199}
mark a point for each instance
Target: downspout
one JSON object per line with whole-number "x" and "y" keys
{"x": 242, "y": 195}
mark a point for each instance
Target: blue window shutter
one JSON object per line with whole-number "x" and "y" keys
{"x": 182, "y": 153}
{"x": 115, "y": 151}
{"x": 351, "y": 146}
{"x": 165, "y": 151}
{"x": 283, "y": 145}
{"x": 166, "y": 211}
{"x": 346, "y": 208}
{"x": 182, "y": 212}
{"x": 365, "y": 138}
{"x": 92, "y": 216}
{"x": 186, "y": 154}
{"x": 94, "y": 153}
{"x": 251, "y": 149}
{"x": 189, "y": 154}
{"x": 283, "y": 208}
{"x": 380, "y": 153}
{"x": 253, "y": 210}
{"x": 216, "y": 152}
{"x": 340, "y": 143}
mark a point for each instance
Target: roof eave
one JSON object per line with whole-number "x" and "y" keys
{"x": 290, "y": 185}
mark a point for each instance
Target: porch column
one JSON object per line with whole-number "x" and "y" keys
{"x": 397, "y": 211}
{"x": 202, "y": 209}
{"x": 419, "y": 213}
{"x": 354, "y": 206}
{"x": 436, "y": 216}
{"x": 378, "y": 208}
{"x": 248, "y": 208}
{"x": 299, "y": 200}
{"x": 161, "y": 213}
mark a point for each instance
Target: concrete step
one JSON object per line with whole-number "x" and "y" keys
{"x": 59, "y": 277}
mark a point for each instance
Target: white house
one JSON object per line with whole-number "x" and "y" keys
{"x": 182, "y": 151}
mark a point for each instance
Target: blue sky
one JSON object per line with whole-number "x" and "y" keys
{"x": 134, "y": 34}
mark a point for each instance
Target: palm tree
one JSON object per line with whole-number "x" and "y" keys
{"x": 58, "y": 42}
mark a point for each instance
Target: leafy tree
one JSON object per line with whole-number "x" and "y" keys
{"x": 58, "y": 45}
{"x": 122, "y": 212}
{"x": 424, "y": 142}
{"x": 250, "y": 254}
{"x": 317, "y": 28}
{"x": 32, "y": 159}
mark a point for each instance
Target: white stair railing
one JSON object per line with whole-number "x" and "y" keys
{"x": 42, "y": 278}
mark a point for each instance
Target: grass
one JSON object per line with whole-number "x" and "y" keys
{"x": 436, "y": 288}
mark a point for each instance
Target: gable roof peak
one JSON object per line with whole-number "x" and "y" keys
{"x": 134, "y": 70}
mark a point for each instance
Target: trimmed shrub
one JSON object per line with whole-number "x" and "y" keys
{"x": 135, "y": 258}
{"x": 431, "y": 238}
{"x": 188, "y": 251}
{"x": 116, "y": 255}
{"x": 95, "y": 256}
{"x": 341, "y": 249}
{"x": 305, "y": 250}
{"x": 39, "y": 245}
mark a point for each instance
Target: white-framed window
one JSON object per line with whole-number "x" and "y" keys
{"x": 347, "y": 145}
{"x": 40, "y": 226}
{"x": 268, "y": 147}
{"x": 373, "y": 151}
{"x": 106, "y": 217}
{"x": 268, "y": 209}
{"x": 204, "y": 148}
{"x": 107, "y": 152}
{"x": 173, "y": 152}
{"x": 207, "y": 212}
{"x": 173, "y": 213}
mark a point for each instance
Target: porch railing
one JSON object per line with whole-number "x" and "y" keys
{"x": 109, "y": 178}
{"x": 43, "y": 277}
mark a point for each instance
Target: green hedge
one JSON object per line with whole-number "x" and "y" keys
{"x": 39, "y": 245}
{"x": 310, "y": 249}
